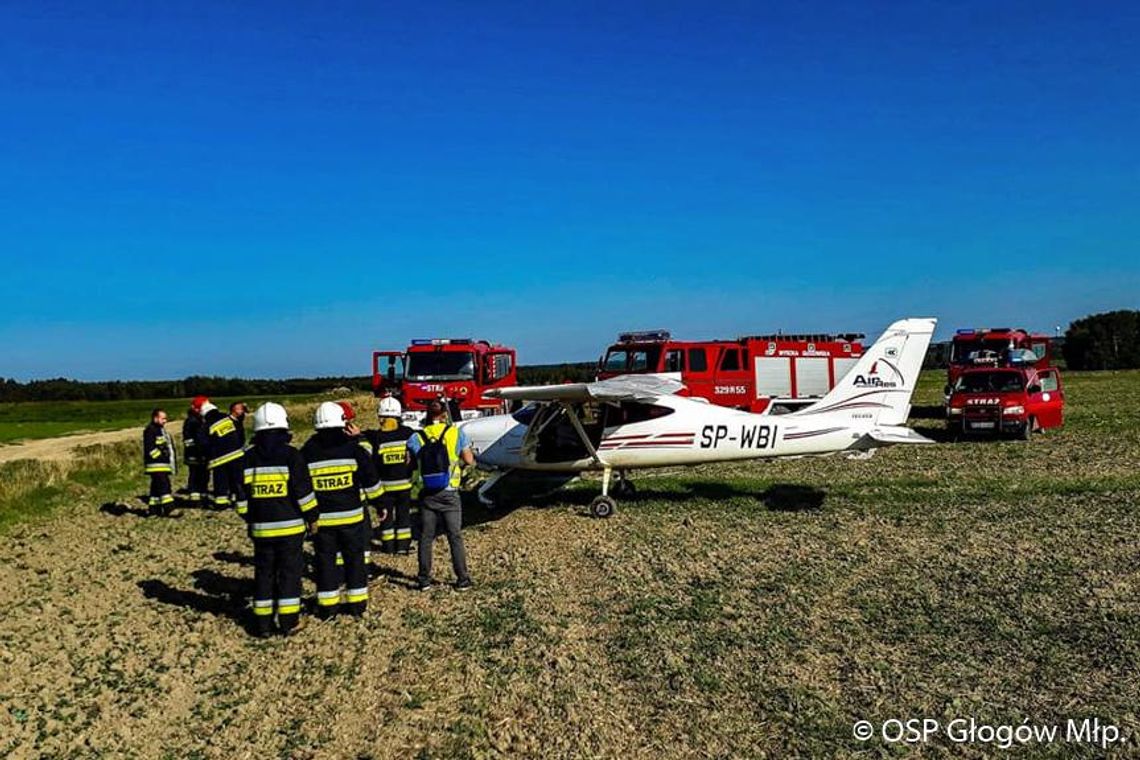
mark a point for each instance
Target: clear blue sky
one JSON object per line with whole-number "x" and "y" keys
{"x": 275, "y": 189}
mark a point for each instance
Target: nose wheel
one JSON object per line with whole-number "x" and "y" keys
{"x": 605, "y": 505}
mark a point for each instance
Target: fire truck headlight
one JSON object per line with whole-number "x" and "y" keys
{"x": 955, "y": 410}
{"x": 1013, "y": 410}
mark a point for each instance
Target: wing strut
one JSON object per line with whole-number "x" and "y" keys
{"x": 577, "y": 423}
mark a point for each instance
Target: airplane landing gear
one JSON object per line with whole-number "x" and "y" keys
{"x": 603, "y": 506}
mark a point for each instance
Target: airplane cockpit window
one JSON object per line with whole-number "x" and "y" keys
{"x": 630, "y": 412}
{"x": 526, "y": 414}
{"x": 558, "y": 439}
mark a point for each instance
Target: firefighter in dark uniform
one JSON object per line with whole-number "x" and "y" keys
{"x": 341, "y": 472}
{"x": 193, "y": 451}
{"x": 158, "y": 463}
{"x": 389, "y": 449}
{"x": 225, "y": 446}
{"x": 280, "y": 510}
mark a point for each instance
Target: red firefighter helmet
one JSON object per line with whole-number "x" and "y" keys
{"x": 199, "y": 402}
{"x": 349, "y": 412}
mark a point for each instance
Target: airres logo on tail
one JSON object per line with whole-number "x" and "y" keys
{"x": 872, "y": 378}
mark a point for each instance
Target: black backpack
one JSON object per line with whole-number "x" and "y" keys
{"x": 435, "y": 462}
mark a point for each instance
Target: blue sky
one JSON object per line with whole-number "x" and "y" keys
{"x": 276, "y": 189}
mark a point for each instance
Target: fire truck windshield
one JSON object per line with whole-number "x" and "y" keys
{"x": 440, "y": 365}
{"x": 964, "y": 351}
{"x": 633, "y": 359}
{"x": 990, "y": 382}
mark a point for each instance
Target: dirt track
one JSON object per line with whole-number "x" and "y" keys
{"x": 59, "y": 449}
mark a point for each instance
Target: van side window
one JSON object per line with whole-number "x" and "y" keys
{"x": 698, "y": 362}
{"x": 730, "y": 359}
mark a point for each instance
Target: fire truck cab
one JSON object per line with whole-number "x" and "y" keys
{"x": 996, "y": 347}
{"x": 460, "y": 370}
{"x": 773, "y": 373}
{"x": 1014, "y": 401}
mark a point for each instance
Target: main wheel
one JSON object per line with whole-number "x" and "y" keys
{"x": 603, "y": 506}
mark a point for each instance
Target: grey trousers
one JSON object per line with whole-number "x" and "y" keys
{"x": 443, "y": 507}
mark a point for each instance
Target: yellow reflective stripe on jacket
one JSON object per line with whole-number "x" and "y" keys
{"x": 225, "y": 458}
{"x": 346, "y": 517}
{"x": 223, "y": 427}
{"x": 332, "y": 467}
{"x": 278, "y": 528}
{"x": 159, "y": 467}
{"x": 307, "y": 502}
{"x": 269, "y": 482}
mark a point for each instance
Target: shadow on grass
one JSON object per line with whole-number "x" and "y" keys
{"x": 218, "y": 605}
{"x": 237, "y": 558}
{"x": 928, "y": 412}
{"x": 118, "y": 509}
{"x": 780, "y": 497}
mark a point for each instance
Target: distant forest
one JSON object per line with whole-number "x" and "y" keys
{"x": 1100, "y": 341}
{"x": 62, "y": 389}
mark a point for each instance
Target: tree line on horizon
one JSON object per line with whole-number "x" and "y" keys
{"x": 1106, "y": 341}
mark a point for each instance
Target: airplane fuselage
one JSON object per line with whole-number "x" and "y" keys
{"x": 692, "y": 433}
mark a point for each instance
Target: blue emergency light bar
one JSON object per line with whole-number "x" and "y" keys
{"x": 441, "y": 341}
{"x": 645, "y": 336}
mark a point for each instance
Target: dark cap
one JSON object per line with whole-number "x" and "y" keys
{"x": 435, "y": 408}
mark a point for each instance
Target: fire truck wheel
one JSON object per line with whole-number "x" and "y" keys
{"x": 603, "y": 506}
{"x": 1027, "y": 430}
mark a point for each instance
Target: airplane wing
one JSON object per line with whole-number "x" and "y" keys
{"x": 623, "y": 388}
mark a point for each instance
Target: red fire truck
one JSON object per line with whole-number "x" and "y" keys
{"x": 785, "y": 372}
{"x": 1005, "y": 400}
{"x": 458, "y": 369}
{"x": 997, "y": 347}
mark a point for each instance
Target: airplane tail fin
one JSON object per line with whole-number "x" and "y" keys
{"x": 880, "y": 385}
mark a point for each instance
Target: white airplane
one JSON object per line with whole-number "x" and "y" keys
{"x": 635, "y": 421}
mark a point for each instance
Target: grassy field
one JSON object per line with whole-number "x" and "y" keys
{"x": 47, "y": 419}
{"x": 728, "y": 611}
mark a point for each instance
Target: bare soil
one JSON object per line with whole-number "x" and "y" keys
{"x": 60, "y": 449}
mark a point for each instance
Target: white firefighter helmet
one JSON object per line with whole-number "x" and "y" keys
{"x": 389, "y": 406}
{"x": 329, "y": 416}
{"x": 270, "y": 416}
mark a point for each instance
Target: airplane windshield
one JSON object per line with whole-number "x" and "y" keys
{"x": 440, "y": 365}
{"x": 990, "y": 382}
{"x": 962, "y": 351}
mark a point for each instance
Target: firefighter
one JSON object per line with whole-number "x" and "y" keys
{"x": 193, "y": 450}
{"x": 341, "y": 471}
{"x": 225, "y": 446}
{"x": 158, "y": 463}
{"x": 281, "y": 508}
{"x": 389, "y": 449}
{"x": 441, "y": 451}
